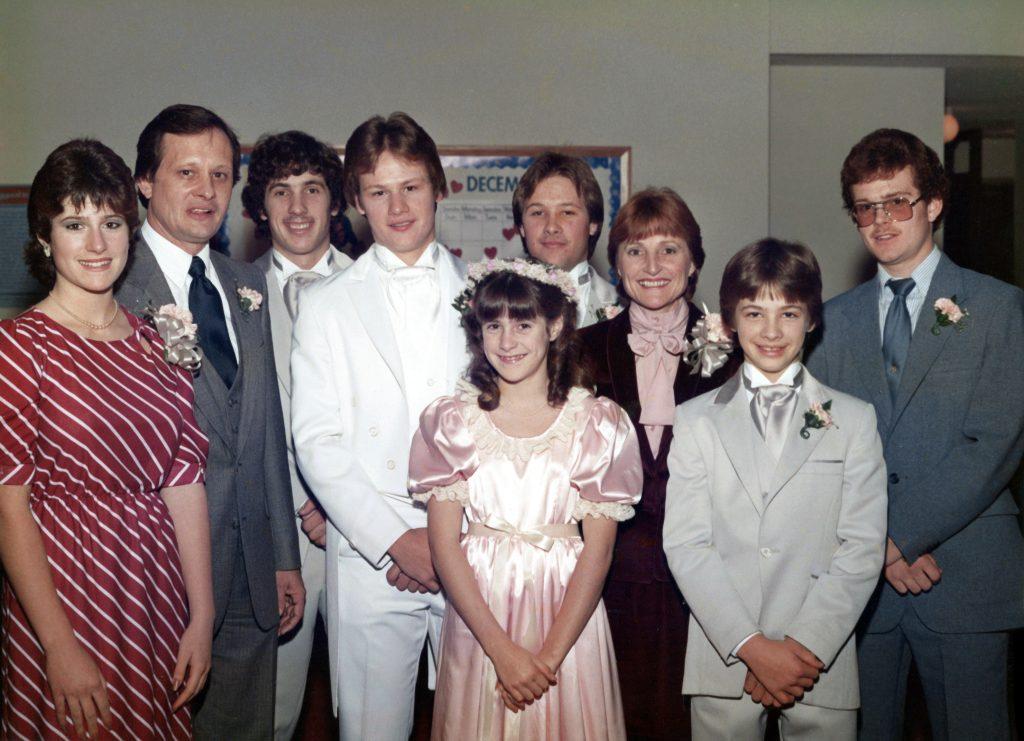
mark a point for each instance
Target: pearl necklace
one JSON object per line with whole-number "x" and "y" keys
{"x": 86, "y": 322}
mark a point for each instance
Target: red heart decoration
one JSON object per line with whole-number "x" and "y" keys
{"x": 508, "y": 233}
{"x": 456, "y": 186}
{"x": 457, "y": 251}
{"x": 491, "y": 252}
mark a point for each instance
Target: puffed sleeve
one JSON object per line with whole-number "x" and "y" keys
{"x": 20, "y": 372}
{"x": 608, "y": 473}
{"x": 443, "y": 455}
{"x": 189, "y": 465}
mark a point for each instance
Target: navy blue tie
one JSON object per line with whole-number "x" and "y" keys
{"x": 208, "y": 313}
{"x": 896, "y": 335}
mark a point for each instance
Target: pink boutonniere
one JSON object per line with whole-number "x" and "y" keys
{"x": 948, "y": 314}
{"x": 817, "y": 417}
{"x": 249, "y": 299}
{"x": 179, "y": 332}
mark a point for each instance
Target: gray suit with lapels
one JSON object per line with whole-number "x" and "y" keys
{"x": 252, "y": 530}
{"x": 952, "y": 440}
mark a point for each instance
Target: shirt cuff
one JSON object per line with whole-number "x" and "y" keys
{"x": 736, "y": 651}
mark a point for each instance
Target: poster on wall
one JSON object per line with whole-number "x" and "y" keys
{"x": 475, "y": 220}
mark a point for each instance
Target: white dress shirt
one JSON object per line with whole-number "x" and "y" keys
{"x": 284, "y": 268}
{"x": 174, "y": 263}
{"x": 922, "y": 276}
{"x": 414, "y": 301}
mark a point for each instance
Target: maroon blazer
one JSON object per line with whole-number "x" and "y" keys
{"x": 639, "y": 556}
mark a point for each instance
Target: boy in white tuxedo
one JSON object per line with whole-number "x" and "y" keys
{"x": 372, "y": 347}
{"x": 775, "y": 518}
{"x": 295, "y": 196}
{"x": 558, "y": 211}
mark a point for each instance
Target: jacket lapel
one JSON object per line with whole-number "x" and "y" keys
{"x": 797, "y": 448}
{"x": 731, "y": 419}
{"x": 452, "y": 280}
{"x": 925, "y": 346}
{"x": 622, "y": 364}
{"x": 370, "y": 305}
{"x": 280, "y": 322}
{"x": 864, "y": 347}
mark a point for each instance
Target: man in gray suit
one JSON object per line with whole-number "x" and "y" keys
{"x": 295, "y": 195}
{"x": 938, "y": 351}
{"x": 187, "y": 164}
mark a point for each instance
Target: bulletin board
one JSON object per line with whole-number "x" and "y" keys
{"x": 18, "y": 289}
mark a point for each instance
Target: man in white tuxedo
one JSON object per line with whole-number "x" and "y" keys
{"x": 372, "y": 347}
{"x": 294, "y": 194}
{"x": 559, "y": 211}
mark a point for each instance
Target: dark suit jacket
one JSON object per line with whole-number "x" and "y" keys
{"x": 638, "y": 553}
{"x": 952, "y": 441}
{"x": 247, "y": 484}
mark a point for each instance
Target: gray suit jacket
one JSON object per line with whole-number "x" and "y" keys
{"x": 792, "y": 548}
{"x": 247, "y": 485}
{"x": 281, "y": 326}
{"x": 952, "y": 441}
{"x": 787, "y": 549}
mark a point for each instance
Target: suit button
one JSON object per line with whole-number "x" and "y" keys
{"x": 373, "y": 432}
{"x": 234, "y": 524}
{"x": 766, "y": 552}
{"x": 430, "y": 381}
{"x": 894, "y": 478}
{"x": 390, "y": 465}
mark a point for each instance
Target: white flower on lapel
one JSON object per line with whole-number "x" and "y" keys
{"x": 179, "y": 332}
{"x": 817, "y": 418}
{"x": 249, "y": 299}
{"x": 710, "y": 346}
{"x": 948, "y": 314}
{"x": 608, "y": 311}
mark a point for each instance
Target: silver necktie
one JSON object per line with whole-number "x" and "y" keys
{"x": 294, "y": 285}
{"x": 772, "y": 409}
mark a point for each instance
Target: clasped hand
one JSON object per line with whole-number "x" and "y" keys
{"x": 522, "y": 677}
{"x": 413, "y": 569}
{"x": 778, "y": 672}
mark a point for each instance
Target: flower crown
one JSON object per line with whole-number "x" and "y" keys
{"x": 531, "y": 269}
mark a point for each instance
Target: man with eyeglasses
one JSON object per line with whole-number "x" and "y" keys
{"x": 938, "y": 350}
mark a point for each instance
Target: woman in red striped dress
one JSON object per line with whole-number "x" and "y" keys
{"x": 104, "y": 537}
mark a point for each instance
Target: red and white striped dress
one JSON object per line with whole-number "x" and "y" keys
{"x": 96, "y": 429}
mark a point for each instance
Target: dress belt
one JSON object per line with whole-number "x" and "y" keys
{"x": 540, "y": 536}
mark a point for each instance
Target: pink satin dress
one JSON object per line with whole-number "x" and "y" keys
{"x": 523, "y": 498}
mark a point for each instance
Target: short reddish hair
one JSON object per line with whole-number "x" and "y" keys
{"x": 883, "y": 153}
{"x": 398, "y": 134}
{"x": 651, "y": 212}
{"x": 786, "y": 269}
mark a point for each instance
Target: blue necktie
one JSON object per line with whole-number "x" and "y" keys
{"x": 896, "y": 335}
{"x": 208, "y": 313}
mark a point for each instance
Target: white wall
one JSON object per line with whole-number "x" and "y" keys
{"x": 817, "y": 114}
{"x": 683, "y": 83}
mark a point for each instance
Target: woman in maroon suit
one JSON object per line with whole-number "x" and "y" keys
{"x": 639, "y": 359}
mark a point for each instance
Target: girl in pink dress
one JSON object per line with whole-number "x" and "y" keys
{"x": 528, "y": 456}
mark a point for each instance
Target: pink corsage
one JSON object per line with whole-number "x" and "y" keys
{"x": 948, "y": 314}
{"x": 817, "y": 418}
{"x": 710, "y": 346}
{"x": 179, "y": 332}
{"x": 249, "y": 299}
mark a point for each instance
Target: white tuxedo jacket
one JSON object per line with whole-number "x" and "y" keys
{"x": 350, "y": 423}
{"x": 791, "y": 550}
{"x": 602, "y": 294}
{"x": 281, "y": 330}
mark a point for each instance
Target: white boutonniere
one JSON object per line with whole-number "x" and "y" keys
{"x": 817, "y": 418}
{"x": 249, "y": 299}
{"x": 949, "y": 314}
{"x": 608, "y": 311}
{"x": 710, "y": 346}
{"x": 180, "y": 335}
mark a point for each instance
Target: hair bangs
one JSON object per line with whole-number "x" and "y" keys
{"x": 507, "y": 294}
